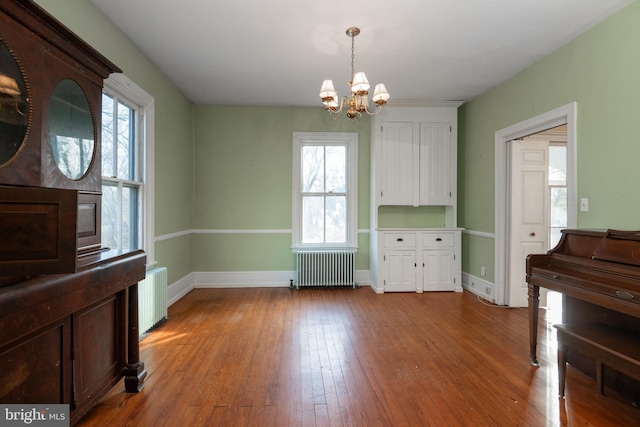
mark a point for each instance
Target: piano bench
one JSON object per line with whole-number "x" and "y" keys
{"x": 607, "y": 345}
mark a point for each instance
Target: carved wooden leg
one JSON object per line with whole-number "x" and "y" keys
{"x": 134, "y": 372}
{"x": 534, "y": 304}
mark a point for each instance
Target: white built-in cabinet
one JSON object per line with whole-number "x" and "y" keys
{"x": 413, "y": 163}
{"x": 417, "y": 260}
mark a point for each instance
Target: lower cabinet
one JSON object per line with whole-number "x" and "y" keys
{"x": 98, "y": 347}
{"x": 70, "y": 361}
{"x": 37, "y": 368}
{"x": 69, "y": 338}
{"x": 401, "y": 271}
{"x": 417, "y": 260}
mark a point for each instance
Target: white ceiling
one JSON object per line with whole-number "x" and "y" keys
{"x": 278, "y": 52}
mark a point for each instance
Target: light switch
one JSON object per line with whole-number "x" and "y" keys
{"x": 584, "y": 204}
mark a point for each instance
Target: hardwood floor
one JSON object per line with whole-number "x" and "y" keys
{"x": 345, "y": 357}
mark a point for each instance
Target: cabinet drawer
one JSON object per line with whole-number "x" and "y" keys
{"x": 437, "y": 240}
{"x": 399, "y": 240}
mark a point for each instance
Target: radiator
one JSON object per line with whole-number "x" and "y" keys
{"x": 152, "y": 300}
{"x": 325, "y": 268}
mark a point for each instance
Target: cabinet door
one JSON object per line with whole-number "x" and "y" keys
{"x": 37, "y": 368}
{"x": 98, "y": 341}
{"x": 396, "y": 175}
{"x": 435, "y": 164}
{"x": 437, "y": 271}
{"x": 401, "y": 271}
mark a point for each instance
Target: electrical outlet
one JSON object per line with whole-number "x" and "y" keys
{"x": 483, "y": 271}
{"x": 488, "y": 290}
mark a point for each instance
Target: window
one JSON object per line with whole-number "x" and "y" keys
{"x": 127, "y": 173}
{"x": 325, "y": 190}
{"x": 557, "y": 192}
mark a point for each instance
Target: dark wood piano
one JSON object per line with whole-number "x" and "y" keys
{"x": 68, "y": 304}
{"x": 598, "y": 273}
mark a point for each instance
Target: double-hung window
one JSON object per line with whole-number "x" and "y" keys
{"x": 325, "y": 190}
{"x": 127, "y": 119}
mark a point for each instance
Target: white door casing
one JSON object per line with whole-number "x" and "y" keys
{"x": 566, "y": 114}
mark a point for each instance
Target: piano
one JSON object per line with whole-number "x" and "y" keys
{"x": 598, "y": 273}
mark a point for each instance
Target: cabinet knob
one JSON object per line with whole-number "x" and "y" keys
{"x": 532, "y": 234}
{"x": 399, "y": 239}
{"x": 438, "y": 239}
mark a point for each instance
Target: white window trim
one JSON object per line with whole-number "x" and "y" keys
{"x": 351, "y": 140}
{"x": 123, "y": 87}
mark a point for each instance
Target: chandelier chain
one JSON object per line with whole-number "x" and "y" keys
{"x": 353, "y": 56}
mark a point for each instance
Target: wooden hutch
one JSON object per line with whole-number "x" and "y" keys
{"x": 68, "y": 306}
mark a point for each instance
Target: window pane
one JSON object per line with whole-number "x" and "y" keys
{"x": 312, "y": 219}
{"x": 107, "y": 136}
{"x": 312, "y": 168}
{"x": 336, "y": 160}
{"x": 557, "y": 165}
{"x": 129, "y": 218}
{"x": 336, "y": 219}
{"x": 558, "y": 207}
{"x": 126, "y": 141}
{"x": 110, "y": 216}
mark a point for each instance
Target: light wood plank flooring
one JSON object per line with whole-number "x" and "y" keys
{"x": 345, "y": 357}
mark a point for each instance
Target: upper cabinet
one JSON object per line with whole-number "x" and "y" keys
{"x": 50, "y": 125}
{"x": 50, "y": 102}
{"x": 414, "y": 158}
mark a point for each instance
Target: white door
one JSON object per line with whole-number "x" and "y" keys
{"x": 529, "y": 212}
{"x": 435, "y": 164}
{"x": 437, "y": 272}
{"x": 401, "y": 271}
{"x": 396, "y": 173}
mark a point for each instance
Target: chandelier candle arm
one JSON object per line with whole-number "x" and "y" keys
{"x": 357, "y": 102}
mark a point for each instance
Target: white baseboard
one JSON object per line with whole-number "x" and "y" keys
{"x": 241, "y": 279}
{"x": 178, "y": 289}
{"x": 256, "y": 279}
{"x": 478, "y": 286}
{"x": 281, "y": 279}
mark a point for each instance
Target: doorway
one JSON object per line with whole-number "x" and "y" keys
{"x": 510, "y": 291}
{"x": 538, "y": 204}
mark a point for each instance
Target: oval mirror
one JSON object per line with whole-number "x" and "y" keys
{"x": 14, "y": 110}
{"x": 71, "y": 129}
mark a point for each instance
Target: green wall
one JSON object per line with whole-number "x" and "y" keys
{"x": 600, "y": 71}
{"x": 243, "y": 173}
{"x": 173, "y": 124}
{"x": 226, "y": 171}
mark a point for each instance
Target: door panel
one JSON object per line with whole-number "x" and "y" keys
{"x": 396, "y": 164}
{"x": 401, "y": 271}
{"x": 435, "y": 161}
{"x": 437, "y": 274}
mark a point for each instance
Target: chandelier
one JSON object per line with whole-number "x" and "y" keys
{"x": 357, "y": 103}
